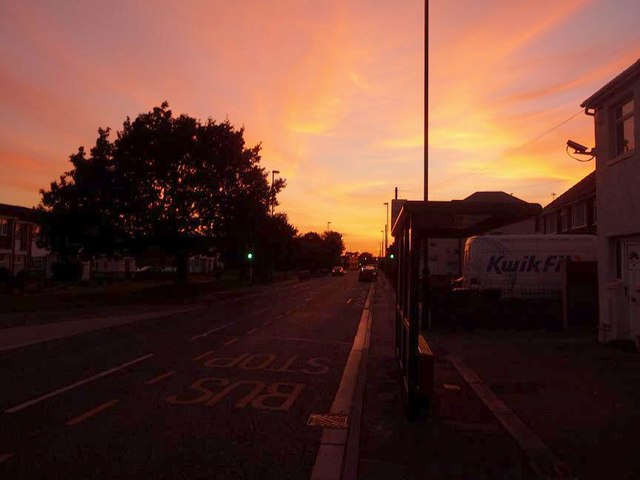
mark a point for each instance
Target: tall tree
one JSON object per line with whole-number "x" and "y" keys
{"x": 171, "y": 181}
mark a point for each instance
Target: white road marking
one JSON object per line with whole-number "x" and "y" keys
{"x": 204, "y": 355}
{"x": 92, "y": 413}
{"x": 160, "y": 377}
{"x": 213, "y": 330}
{"x": 349, "y": 301}
{"x": 252, "y": 331}
{"x": 46, "y": 396}
{"x": 267, "y": 323}
{"x": 229, "y": 342}
{"x": 332, "y": 454}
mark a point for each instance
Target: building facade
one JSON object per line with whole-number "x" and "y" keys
{"x": 575, "y": 211}
{"x": 615, "y": 108}
{"x": 18, "y": 227}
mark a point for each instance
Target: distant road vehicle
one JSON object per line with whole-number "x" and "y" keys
{"x": 367, "y": 273}
{"x": 337, "y": 272}
{"x": 522, "y": 266}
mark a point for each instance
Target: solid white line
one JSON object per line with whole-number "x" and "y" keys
{"x": 29, "y": 403}
{"x": 331, "y": 456}
{"x": 213, "y": 330}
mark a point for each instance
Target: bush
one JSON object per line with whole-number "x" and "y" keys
{"x": 67, "y": 271}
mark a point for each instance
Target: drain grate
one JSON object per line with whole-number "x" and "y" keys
{"x": 328, "y": 420}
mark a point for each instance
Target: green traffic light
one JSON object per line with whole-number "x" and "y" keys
{"x": 250, "y": 256}
{"x": 392, "y": 256}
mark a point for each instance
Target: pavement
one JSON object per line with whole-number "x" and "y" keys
{"x": 225, "y": 390}
{"x": 300, "y": 380}
{"x": 460, "y": 438}
{"x": 508, "y": 404}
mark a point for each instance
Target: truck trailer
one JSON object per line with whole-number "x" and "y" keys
{"x": 521, "y": 266}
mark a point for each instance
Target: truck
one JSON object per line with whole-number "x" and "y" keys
{"x": 521, "y": 266}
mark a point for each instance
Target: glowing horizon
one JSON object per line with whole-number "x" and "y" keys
{"x": 332, "y": 90}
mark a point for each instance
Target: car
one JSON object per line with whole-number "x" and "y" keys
{"x": 337, "y": 271}
{"x": 367, "y": 273}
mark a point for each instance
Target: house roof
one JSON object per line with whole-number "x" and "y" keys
{"x": 462, "y": 218}
{"x": 493, "y": 197}
{"x": 584, "y": 188}
{"x": 597, "y": 98}
{"x": 21, "y": 213}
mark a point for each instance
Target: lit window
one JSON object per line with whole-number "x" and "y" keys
{"x": 625, "y": 140}
{"x": 4, "y": 226}
{"x": 578, "y": 215}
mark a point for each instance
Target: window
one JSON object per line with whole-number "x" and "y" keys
{"x": 564, "y": 219}
{"x": 4, "y": 226}
{"x": 578, "y": 215}
{"x": 625, "y": 140}
{"x": 550, "y": 224}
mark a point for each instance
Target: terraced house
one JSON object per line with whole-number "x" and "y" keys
{"x": 617, "y": 131}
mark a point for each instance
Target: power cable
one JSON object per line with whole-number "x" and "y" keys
{"x": 507, "y": 155}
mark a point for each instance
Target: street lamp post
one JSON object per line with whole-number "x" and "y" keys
{"x": 386, "y": 229}
{"x": 328, "y": 226}
{"x": 273, "y": 200}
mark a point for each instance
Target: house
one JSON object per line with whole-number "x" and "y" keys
{"x": 574, "y": 211}
{"x": 615, "y": 108}
{"x": 19, "y": 242}
{"x": 18, "y": 227}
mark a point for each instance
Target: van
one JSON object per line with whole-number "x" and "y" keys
{"x": 522, "y": 266}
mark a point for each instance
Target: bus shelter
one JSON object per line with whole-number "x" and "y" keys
{"x": 417, "y": 222}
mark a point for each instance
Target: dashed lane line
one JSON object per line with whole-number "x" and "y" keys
{"x": 213, "y": 330}
{"x": 349, "y": 301}
{"x": 160, "y": 377}
{"x": 229, "y": 342}
{"x": 204, "y": 355}
{"x": 267, "y": 323}
{"x": 6, "y": 456}
{"x": 252, "y": 331}
{"x": 92, "y": 413}
{"x": 79, "y": 383}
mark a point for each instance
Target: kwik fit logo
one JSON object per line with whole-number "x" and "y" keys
{"x": 528, "y": 263}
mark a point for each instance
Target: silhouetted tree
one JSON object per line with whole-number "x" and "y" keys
{"x": 175, "y": 182}
{"x": 315, "y": 251}
{"x": 332, "y": 248}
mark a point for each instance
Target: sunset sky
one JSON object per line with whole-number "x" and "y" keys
{"x": 332, "y": 88}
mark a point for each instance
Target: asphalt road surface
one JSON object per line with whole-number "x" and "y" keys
{"x": 224, "y": 391}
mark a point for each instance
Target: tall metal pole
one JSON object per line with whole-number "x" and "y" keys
{"x": 426, "y": 100}
{"x": 386, "y": 228}
{"x": 273, "y": 200}
{"x": 328, "y": 225}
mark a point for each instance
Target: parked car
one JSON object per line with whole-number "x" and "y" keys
{"x": 337, "y": 271}
{"x": 367, "y": 273}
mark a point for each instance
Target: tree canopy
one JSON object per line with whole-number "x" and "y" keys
{"x": 166, "y": 180}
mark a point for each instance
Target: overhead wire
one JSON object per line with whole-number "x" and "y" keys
{"x": 505, "y": 156}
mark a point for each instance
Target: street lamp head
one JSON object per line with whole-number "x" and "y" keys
{"x": 275, "y": 171}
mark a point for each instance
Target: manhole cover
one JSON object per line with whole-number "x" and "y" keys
{"x": 327, "y": 420}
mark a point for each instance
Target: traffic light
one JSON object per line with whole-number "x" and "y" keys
{"x": 392, "y": 256}
{"x": 249, "y": 256}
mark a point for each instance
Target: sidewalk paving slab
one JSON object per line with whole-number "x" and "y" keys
{"x": 460, "y": 438}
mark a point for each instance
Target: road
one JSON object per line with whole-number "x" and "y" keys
{"x": 222, "y": 391}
